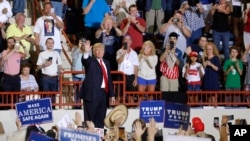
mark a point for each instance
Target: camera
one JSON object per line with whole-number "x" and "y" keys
{"x": 50, "y": 59}
{"x": 175, "y": 20}
{"x": 17, "y": 43}
{"x": 171, "y": 43}
{"x": 84, "y": 124}
{"x": 125, "y": 45}
{"x": 83, "y": 40}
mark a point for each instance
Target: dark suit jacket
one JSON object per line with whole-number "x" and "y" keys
{"x": 93, "y": 80}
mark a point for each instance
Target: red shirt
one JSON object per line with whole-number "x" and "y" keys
{"x": 136, "y": 35}
{"x": 247, "y": 25}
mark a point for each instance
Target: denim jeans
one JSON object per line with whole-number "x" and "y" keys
{"x": 77, "y": 88}
{"x": 50, "y": 84}
{"x": 194, "y": 37}
{"x": 196, "y": 87}
{"x": 18, "y": 6}
{"x": 224, "y": 37}
{"x": 58, "y": 8}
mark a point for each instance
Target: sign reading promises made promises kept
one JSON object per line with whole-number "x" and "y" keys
{"x": 35, "y": 111}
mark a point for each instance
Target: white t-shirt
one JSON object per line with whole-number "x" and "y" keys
{"x": 56, "y": 60}
{"x": 193, "y": 72}
{"x": 128, "y": 3}
{"x": 130, "y": 60}
{"x": 46, "y": 28}
{"x": 6, "y": 16}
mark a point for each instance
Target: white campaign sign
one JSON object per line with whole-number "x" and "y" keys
{"x": 184, "y": 138}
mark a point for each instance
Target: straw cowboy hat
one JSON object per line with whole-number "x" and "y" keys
{"x": 120, "y": 111}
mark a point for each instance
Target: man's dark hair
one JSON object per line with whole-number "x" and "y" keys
{"x": 49, "y": 39}
{"x": 49, "y": 3}
{"x": 173, "y": 34}
{"x": 131, "y": 6}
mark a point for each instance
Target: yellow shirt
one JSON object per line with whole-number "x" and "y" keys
{"x": 13, "y": 30}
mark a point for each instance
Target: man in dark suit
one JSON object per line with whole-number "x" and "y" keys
{"x": 97, "y": 86}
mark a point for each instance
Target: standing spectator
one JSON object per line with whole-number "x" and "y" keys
{"x": 146, "y": 71}
{"x": 48, "y": 26}
{"x": 211, "y": 63}
{"x": 128, "y": 63}
{"x": 97, "y": 87}
{"x": 236, "y": 20}
{"x": 28, "y": 83}
{"x": 94, "y": 12}
{"x": 194, "y": 19}
{"x": 18, "y": 6}
{"x": 193, "y": 71}
{"x": 177, "y": 25}
{"x": 220, "y": 13}
{"x": 134, "y": 26}
{"x": 11, "y": 63}
{"x": 246, "y": 59}
{"x": 246, "y": 33}
{"x": 170, "y": 61}
{"x": 233, "y": 68}
{"x": 77, "y": 54}
{"x": 22, "y": 33}
{"x": 155, "y": 11}
{"x": 6, "y": 13}
{"x": 58, "y": 6}
{"x": 49, "y": 61}
{"x": 109, "y": 35}
{"x": 120, "y": 8}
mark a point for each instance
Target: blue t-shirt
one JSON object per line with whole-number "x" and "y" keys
{"x": 96, "y": 14}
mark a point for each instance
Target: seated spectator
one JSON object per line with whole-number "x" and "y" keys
{"x": 28, "y": 83}
{"x": 146, "y": 70}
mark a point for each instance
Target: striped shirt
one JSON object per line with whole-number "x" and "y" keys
{"x": 169, "y": 73}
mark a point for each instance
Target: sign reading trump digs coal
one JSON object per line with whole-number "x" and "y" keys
{"x": 35, "y": 111}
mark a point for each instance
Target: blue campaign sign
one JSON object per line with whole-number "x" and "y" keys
{"x": 77, "y": 135}
{"x": 35, "y": 111}
{"x": 39, "y": 137}
{"x": 176, "y": 114}
{"x": 149, "y": 109}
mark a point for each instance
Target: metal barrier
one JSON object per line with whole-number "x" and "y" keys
{"x": 66, "y": 97}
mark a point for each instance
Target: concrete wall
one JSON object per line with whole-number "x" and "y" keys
{"x": 8, "y": 118}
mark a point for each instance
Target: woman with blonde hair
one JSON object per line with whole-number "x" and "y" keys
{"x": 147, "y": 62}
{"x": 211, "y": 63}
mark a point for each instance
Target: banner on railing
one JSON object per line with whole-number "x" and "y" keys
{"x": 149, "y": 109}
{"x": 35, "y": 111}
{"x": 77, "y": 135}
{"x": 184, "y": 138}
{"x": 176, "y": 114}
{"x": 39, "y": 137}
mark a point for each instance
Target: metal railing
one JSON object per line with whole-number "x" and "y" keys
{"x": 66, "y": 97}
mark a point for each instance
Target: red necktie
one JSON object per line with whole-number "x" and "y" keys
{"x": 105, "y": 77}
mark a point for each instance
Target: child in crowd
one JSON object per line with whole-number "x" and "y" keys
{"x": 193, "y": 72}
{"x": 233, "y": 68}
